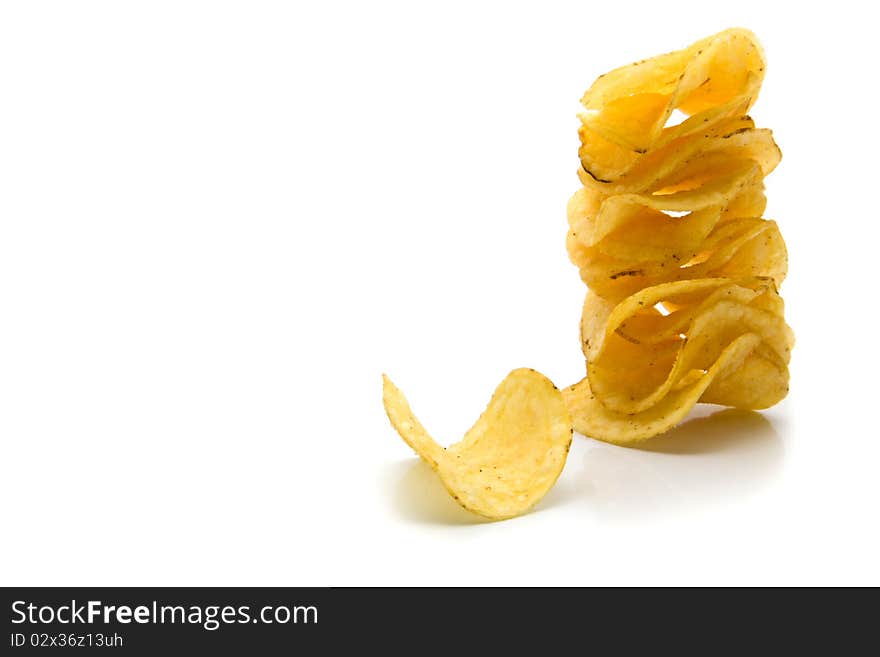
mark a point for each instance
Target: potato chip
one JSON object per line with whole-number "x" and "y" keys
{"x": 627, "y": 110}
{"x": 668, "y": 235}
{"x": 509, "y": 459}
{"x": 636, "y": 355}
{"x": 695, "y": 214}
{"x": 592, "y": 418}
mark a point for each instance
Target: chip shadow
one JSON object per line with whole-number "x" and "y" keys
{"x": 419, "y": 496}
{"x": 706, "y": 461}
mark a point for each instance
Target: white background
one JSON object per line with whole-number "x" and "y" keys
{"x": 220, "y": 222}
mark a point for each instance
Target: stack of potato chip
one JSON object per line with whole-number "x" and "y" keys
{"x": 667, "y": 232}
{"x": 683, "y": 272}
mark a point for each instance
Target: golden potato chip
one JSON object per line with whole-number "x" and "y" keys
{"x": 636, "y": 355}
{"x": 626, "y": 111}
{"x": 592, "y": 418}
{"x": 689, "y": 210}
{"x": 667, "y": 233}
{"x": 509, "y": 459}
{"x": 625, "y": 242}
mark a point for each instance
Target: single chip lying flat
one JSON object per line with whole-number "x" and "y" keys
{"x": 509, "y": 459}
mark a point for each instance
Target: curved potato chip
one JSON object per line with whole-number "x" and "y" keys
{"x": 735, "y": 249}
{"x": 509, "y": 459}
{"x": 625, "y": 242}
{"x": 637, "y": 355}
{"x": 591, "y": 418}
{"x": 596, "y": 217}
{"x": 688, "y": 210}
{"x": 627, "y": 110}
{"x": 684, "y": 163}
